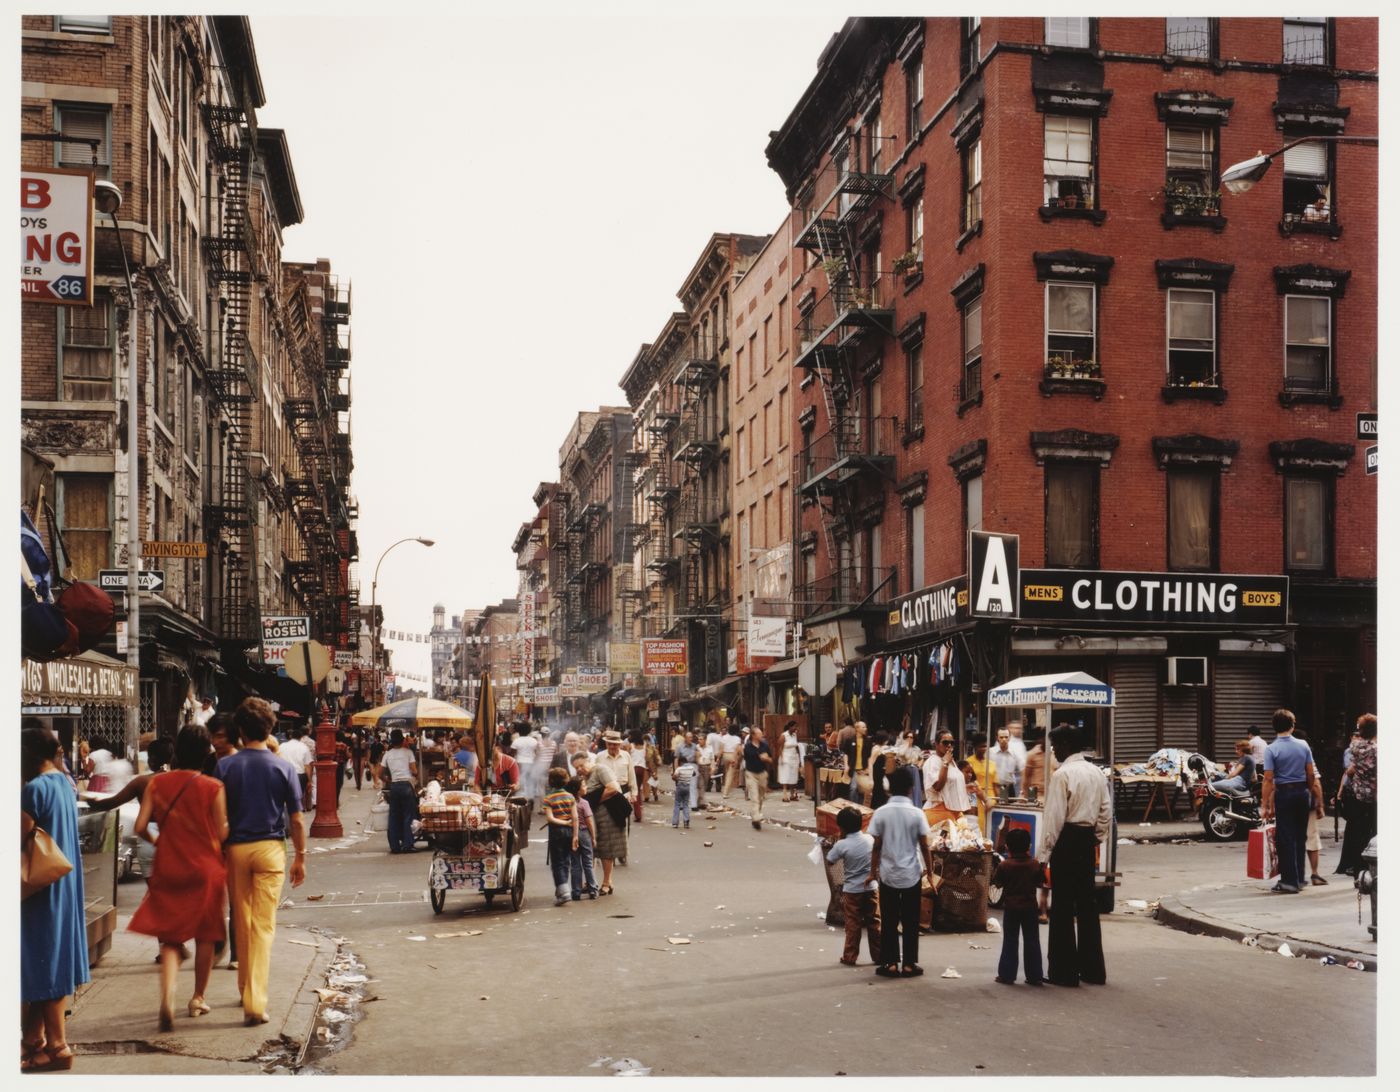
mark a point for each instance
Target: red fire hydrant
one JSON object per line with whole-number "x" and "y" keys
{"x": 327, "y": 822}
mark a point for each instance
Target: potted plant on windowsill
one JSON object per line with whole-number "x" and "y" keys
{"x": 1185, "y": 199}
{"x": 833, "y": 268}
{"x": 906, "y": 264}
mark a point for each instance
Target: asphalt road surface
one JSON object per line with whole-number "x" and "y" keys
{"x": 574, "y": 990}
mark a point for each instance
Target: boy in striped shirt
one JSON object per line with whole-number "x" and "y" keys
{"x": 561, "y": 813}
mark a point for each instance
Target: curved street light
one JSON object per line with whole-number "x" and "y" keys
{"x": 373, "y": 605}
{"x": 1241, "y": 177}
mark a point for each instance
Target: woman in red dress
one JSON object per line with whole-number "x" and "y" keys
{"x": 185, "y": 893}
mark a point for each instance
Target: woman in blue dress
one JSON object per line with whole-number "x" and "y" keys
{"x": 53, "y": 925}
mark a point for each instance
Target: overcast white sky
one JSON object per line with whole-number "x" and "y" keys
{"x": 516, "y": 201}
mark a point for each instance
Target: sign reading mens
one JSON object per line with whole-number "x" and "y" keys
{"x": 1191, "y": 598}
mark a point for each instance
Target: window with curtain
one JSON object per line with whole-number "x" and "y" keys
{"x": 1065, "y": 31}
{"x": 84, "y": 514}
{"x": 83, "y": 123}
{"x": 1307, "y": 326}
{"x": 1305, "y": 40}
{"x": 972, "y": 349}
{"x": 1071, "y": 515}
{"x": 1189, "y": 38}
{"x": 1069, "y": 324}
{"x": 972, "y": 184}
{"x": 1191, "y": 159}
{"x": 86, "y": 346}
{"x": 914, "y": 222}
{"x": 1069, "y": 161}
{"x": 914, "y": 544}
{"x": 1307, "y": 528}
{"x": 1191, "y": 338}
{"x": 1307, "y": 182}
{"x": 1192, "y": 518}
{"x": 914, "y": 371}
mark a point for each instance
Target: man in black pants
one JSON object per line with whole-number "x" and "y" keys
{"x": 901, "y": 837}
{"x": 1078, "y": 815}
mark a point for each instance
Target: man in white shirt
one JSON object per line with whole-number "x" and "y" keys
{"x": 714, "y": 740}
{"x": 525, "y": 749}
{"x": 401, "y": 771}
{"x": 1018, "y": 744}
{"x": 705, "y": 763}
{"x": 1258, "y": 748}
{"x": 729, "y": 760}
{"x": 1078, "y": 816}
{"x": 205, "y": 713}
{"x": 296, "y": 751}
{"x": 945, "y": 790}
{"x": 1006, "y": 764}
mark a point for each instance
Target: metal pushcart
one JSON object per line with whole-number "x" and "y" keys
{"x": 484, "y": 860}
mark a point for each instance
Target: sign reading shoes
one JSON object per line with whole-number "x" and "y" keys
{"x": 1192, "y": 598}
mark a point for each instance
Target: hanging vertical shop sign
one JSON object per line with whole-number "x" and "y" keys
{"x": 527, "y": 626}
{"x": 994, "y": 574}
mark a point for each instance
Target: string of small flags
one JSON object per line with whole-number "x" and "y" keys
{"x": 483, "y": 639}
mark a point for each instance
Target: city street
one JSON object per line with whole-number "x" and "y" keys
{"x": 758, "y": 991}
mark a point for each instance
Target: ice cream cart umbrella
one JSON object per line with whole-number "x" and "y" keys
{"x": 414, "y": 714}
{"x": 1052, "y": 693}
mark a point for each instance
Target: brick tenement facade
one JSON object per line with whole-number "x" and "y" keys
{"x": 1054, "y": 203}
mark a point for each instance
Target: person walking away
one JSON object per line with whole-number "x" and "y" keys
{"x": 1020, "y": 876}
{"x": 945, "y": 790}
{"x": 639, "y": 771}
{"x": 53, "y": 952}
{"x": 859, "y": 904}
{"x": 376, "y": 757}
{"x": 342, "y": 760}
{"x": 300, "y": 754}
{"x": 682, "y": 774}
{"x": 704, "y": 770}
{"x": 715, "y": 739}
{"x": 899, "y": 858}
{"x": 602, "y": 784}
{"x": 561, "y": 814}
{"x": 224, "y": 741}
{"x": 729, "y": 761}
{"x": 185, "y": 893}
{"x": 400, "y": 772}
{"x": 653, "y": 762}
{"x": 1077, "y": 817}
{"x": 544, "y": 756}
{"x": 524, "y": 750}
{"x": 1258, "y": 745}
{"x": 1291, "y": 789}
{"x": 856, "y": 752}
{"x": 758, "y": 761}
{"x": 683, "y": 754}
{"x": 1007, "y": 765}
{"x": 264, "y": 807}
{"x": 357, "y": 755}
{"x": 790, "y": 761}
{"x": 581, "y": 865}
{"x": 1361, "y": 807}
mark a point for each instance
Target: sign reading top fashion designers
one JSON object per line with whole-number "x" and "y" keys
{"x": 1075, "y": 595}
{"x": 930, "y": 610}
{"x": 662, "y": 656}
{"x": 993, "y": 574}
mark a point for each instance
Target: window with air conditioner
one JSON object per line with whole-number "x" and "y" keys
{"x": 1187, "y": 671}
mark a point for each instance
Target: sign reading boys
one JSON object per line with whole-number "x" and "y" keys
{"x": 994, "y": 574}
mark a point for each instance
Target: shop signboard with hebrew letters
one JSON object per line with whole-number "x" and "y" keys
{"x": 1220, "y": 599}
{"x": 663, "y": 657}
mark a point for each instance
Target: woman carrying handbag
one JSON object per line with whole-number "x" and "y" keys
{"x": 52, "y": 920}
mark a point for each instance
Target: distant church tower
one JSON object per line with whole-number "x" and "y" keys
{"x": 441, "y": 648}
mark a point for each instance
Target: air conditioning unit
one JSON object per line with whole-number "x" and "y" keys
{"x": 1187, "y": 671}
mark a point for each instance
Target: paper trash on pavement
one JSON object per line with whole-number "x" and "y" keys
{"x": 677, "y": 940}
{"x": 950, "y": 973}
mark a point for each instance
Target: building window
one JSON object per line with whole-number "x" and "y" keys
{"x": 85, "y": 351}
{"x": 971, "y": 44}
{"x": 80, "y": 124}
{"x": 1069, "y": 324}
{"x": 1069, "y": 161}
{"x": 1189, "y": 38}
{"x": 914, "y": 224}
{"x": 1191, "y": 164}
{"x": 83, "y": 24}
{"x": 1307, "y": 337}
{"x": 972, "y": 349}
{"x": 84, "y": 513}
{"x": 1307, "y": 182}
{"x": 1305, "y": 40}
{"x": 1307, "y": 524}
{"x": 1065, "y": 31}
{"x": 874, "y": 143}
{"x": 1191, "y": 358}
{"x": 914, "y": 369}
{"x": 972, "y": 507}
{"x": 1071, "y": 515}
{"x": 1193, "y": 519}
{"x": 972, "y": 184}
{"x": 914, "y": 544}
{"x": 914, "y": 95}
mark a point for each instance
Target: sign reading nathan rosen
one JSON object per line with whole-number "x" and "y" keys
{"x": 1194, "y": 598}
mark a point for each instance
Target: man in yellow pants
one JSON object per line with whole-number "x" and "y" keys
{"x": 264, "y": 803}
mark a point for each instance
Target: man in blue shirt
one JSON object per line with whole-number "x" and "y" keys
{"x": 901, "y": 832}
{"x": 1291, "y": 790}
{"x": 264, "y": 806}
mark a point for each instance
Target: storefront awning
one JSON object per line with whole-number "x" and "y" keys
{"x": 88, "y": 679}
{"x": 783, "y": 667}
{"x": 1072, "y": 688}
{"x": 710, "y": 689}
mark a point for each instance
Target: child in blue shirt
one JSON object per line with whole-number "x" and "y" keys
{"x": 859, "y": 902}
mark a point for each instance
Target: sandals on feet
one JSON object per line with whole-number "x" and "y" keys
{"x": 912, "y": 970}
{"x": 887, "y": 970}
{"x": 57, "y": 1061}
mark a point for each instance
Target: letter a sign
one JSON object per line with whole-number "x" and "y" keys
{"x": 994, "y": 576}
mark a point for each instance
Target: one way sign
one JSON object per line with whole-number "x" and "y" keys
{"x": 146, "y": 579}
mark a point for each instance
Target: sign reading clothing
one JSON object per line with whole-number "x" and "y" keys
{"x": 929, "y": 610}
{"x": 1196, "y": 598}
{"x": 280, "y": 632}
{"x": 993, "y": 574}
{"x": 664, "y": 657}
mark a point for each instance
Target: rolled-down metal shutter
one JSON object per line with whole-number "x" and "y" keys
{"x": 1246, "y": 690}
{"x": 1181, "y": 717}
{"x": 1135, "y": 687}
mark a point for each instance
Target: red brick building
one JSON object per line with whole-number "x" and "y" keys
{"x": 1022, "y": 305}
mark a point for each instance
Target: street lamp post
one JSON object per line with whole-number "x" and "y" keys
{"x": 374, "y": 613}
{"x": 1241, "y": 177}
{"x": 107, "y": 197}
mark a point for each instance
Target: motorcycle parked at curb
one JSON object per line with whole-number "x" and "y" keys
{"x": 1225, "y": 816}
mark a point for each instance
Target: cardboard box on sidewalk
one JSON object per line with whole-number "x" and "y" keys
{"x": 827, "y": 813}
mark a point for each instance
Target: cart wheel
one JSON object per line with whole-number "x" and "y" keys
{"x": 438, "y": 895}
{"x": 490, "y": 897}
{"x": 517, "y": 889}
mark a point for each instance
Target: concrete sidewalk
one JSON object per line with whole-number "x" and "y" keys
{"x": 114, "y": 1028}
{"x": 1317, "y": 922}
